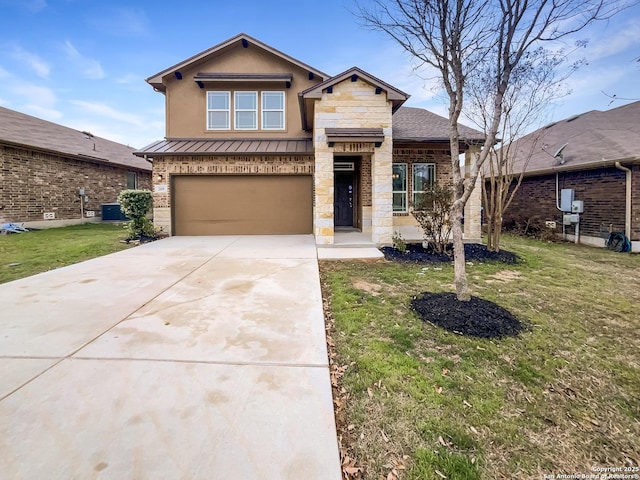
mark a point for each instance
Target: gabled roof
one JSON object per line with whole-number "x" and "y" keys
{"x": 593, "y": 139}
{"x": 419, "y": 125}
{"x": 156, "y": 80}
{"x": 24, "y": 130}
{"x": 393, "y": 94}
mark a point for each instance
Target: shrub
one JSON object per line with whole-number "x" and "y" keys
{"x": 399, "y": 243}
{"x": 135, "y": 204}
{"x": 432, "y": 214}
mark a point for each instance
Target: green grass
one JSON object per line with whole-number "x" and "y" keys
{"x": 42, "y": 250}
{"x": 560, "y": 398}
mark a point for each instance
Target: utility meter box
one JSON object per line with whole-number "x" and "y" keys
{"x": 570, "y": 218}
{"x": 566, "y": 199}
{"x": 577, "y": 206}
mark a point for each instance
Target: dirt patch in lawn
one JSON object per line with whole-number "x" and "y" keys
{"x": 504, "y": 276}
{"x": 473, "y": 252}
{"x": 476, "y": 318}
{"x": 371, "y": 288}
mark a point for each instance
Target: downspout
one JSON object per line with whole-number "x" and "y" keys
{"x": 627, "y": 211}
{"x": 564, "y": 235}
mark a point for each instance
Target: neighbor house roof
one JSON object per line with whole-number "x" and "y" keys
{"x": 412, "y": 124}
{"x": 156, "y": 80}
{"x": 24, "y": 130}
{"x": 592, "y": 139}
{"x": 190, "y": 146}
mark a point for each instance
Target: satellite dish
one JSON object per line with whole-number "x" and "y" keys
{"x": 558, "y": 154}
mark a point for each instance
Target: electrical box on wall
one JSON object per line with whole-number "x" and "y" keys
{"x": 570, "y": 218}
{"x": 577, "y": 206}
{"x": 566, "y": 199}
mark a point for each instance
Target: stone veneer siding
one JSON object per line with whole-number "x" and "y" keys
{"x": 34, "y": 182}
{"x": 353, "y": 105}
{"x": 165, "y": 166}
{"x": 602, "y": 190}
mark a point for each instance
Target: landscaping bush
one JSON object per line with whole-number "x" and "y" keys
{"x": 136, "y": 204}
{"x": 432, "y": 214}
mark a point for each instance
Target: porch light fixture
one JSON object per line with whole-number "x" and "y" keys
{"x": 354, "y": 77}
{"x": 160, "y": 177}
{"x": 330, "y": 89}
{"x": 378, "y": 90}
{"x": 178, "y": 75}
{"x": 310, "y": 75}
{"x": 245, "y": 43}
{"x": 200, "y": 84}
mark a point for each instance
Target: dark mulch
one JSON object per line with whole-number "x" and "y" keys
{"x": 476, "y": 318}
{"x": 473, "y": 252}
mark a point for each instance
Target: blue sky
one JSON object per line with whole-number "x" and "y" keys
{"x": 82, "y": 63}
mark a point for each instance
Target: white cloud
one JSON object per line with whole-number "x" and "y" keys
{"x": 111, "y": 113}
{"x": 90, "y": 68}
{"x": 129, "y": 78}
{"x": 128, "y": 22}
{"x": 35, "y": 94}
{"x": 34, "y": 6}
{"x": 624, "y": 38}
{"x": 33, "y": 61}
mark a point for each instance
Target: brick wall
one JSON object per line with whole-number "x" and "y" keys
{"x": 33, "y": 182}
{"x": 635, "y": 203}
{"x": 602, "y": 190}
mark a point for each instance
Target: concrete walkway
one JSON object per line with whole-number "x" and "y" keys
{"x": 186, "y": 358}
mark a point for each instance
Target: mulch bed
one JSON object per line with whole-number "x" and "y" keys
{"x": 476, "y": 318}
{"x": 473, "y": 252}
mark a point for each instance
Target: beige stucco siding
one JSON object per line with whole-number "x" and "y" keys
{"x": 186, "y": 101}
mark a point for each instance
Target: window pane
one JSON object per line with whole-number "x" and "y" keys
{"x": 246, "y": 100}
{"x": 273, "y": 120}
{"x": 399, "y": 202}
{"x": 399, "y": 177}
{"x": 273, "y": 100}
{"x": 132, "y": 183}
{"x": 218, "y": 100}
{"x": 422, "y": 176}
{"x": 246, "y": 120}
{"x": 218, "y": 120}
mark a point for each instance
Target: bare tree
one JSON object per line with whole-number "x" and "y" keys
{"x": 537, "y": 81}
{"x": 459, "y": 37}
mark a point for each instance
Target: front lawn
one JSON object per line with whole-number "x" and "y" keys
{"x": 25, "y": 254}
{"x": 416, "y": 402}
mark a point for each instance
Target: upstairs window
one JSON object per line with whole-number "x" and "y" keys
{"x": 246, "y": 110}
{"x": 399, "y": 177}
{"x": 273, "y": 110}
{"x": 218, "y": 110}
{"x": 424, "y": 179}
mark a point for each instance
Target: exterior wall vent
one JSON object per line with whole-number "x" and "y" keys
{"x": 343, "y": 166}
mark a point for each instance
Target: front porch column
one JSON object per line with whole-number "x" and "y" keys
{"x": 472, "y": 210}
{"x": 382, "y": 192}
{"x": 323, "y": 201}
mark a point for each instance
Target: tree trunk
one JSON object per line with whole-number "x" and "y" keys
{"x": 459, "y": 265}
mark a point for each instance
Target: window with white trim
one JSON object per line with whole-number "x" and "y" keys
{"x": 399, "y": 178}
{"x": 424, "y": 179}
{"x": 273, "y": 110}
{"x": 246, "y": 110}
{"x": 218, "y": 110}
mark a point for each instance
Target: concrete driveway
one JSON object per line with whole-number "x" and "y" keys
{"x": 186, "y": 358}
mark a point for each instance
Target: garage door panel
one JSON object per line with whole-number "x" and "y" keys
{"x": 242, "y": 205}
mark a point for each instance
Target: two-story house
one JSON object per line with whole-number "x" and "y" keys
{"x": 258, "y": 142}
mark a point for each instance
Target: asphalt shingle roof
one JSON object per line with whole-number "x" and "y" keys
{"x": 592, "y": 139}
{"x": 418, "y": 124}
{"x": 20, "y": 129}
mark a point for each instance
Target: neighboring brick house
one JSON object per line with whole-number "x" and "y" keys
{"x": 44, "y": 166}
{"x": 258, "y": 142}
{"x": 600, "y": 161}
